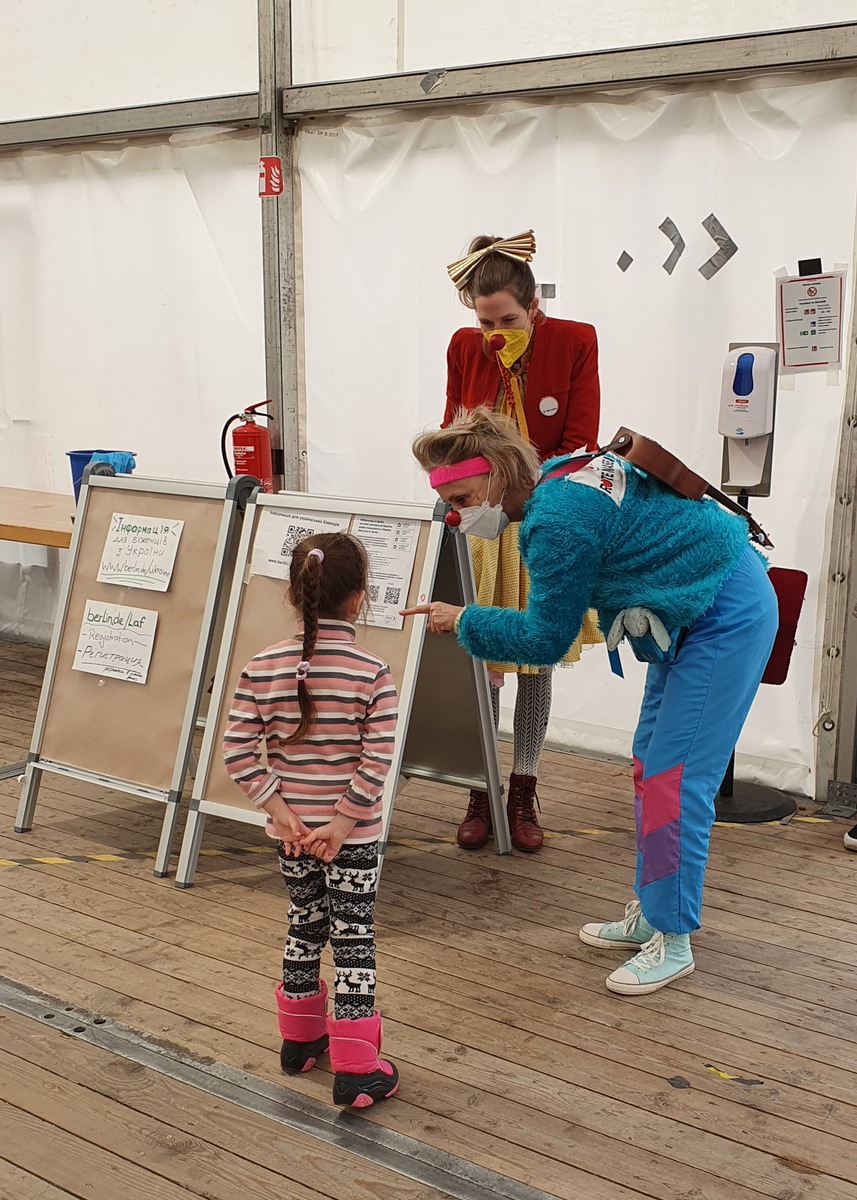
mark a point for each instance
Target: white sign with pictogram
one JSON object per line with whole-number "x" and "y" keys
{"x": 809, "y": 318}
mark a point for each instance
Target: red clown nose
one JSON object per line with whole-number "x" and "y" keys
{"x": 496, "y": 342}
{"x": 453, "y": 519}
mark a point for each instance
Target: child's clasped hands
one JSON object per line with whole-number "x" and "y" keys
{"x": 324, "y": 842}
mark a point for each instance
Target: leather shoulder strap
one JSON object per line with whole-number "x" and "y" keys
{"x": 652, "y": 458}
{"x": 756, "y": 531}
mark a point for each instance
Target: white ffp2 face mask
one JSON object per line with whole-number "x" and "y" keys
{"x": 483, "y": 520}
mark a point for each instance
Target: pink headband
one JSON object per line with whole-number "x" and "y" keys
{"x": 459, "y": 470}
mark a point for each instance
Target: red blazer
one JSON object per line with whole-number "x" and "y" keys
{"x": 563, "y": 365}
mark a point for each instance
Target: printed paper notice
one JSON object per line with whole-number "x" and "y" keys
{"x": 809, "y": 317}
{"x": 140, "y": 552}
{"x": 116, "y": 641}
{"x": 392, "y": 549}
{"x": 278, "y": 532}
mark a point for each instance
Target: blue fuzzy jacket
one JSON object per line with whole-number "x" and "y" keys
{"x": 606, "y": 537}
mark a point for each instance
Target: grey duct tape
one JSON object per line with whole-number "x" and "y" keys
{"x": 670, "y": 231}
{"x": 726, "y": 247}
{"x": 430, "y": 81}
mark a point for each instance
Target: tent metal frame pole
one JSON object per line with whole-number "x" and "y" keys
{"x": 817, "y": 47}
{"x": 151, "y": 120}
{"x": 836, "y": 728}
{"x": 279, "y": 219}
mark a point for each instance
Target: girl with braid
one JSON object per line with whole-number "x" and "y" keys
{"x": 543, "y": 373}
{"x": 325, "y": 711}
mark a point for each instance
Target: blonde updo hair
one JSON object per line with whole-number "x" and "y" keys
{"x": 479, "y": 432}
{"x": 497, "y": 273}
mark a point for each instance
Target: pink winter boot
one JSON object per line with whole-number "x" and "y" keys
{"x": 303, "y": 1028}
{"x": 361, "y": 1076}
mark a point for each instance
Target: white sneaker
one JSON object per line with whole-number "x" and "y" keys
{"x": 850, "y": 839}
{"x": 664, "y": 958}
{"x": 633, "y": 930}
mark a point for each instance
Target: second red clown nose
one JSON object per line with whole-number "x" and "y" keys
{"x": 496, "y": 342}
{"x": 453, "y": 519}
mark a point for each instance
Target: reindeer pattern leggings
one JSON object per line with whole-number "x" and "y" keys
{"x": 332, "y": 902}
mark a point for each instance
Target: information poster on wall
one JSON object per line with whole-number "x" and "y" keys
{"x": 279, "y": 531}
{"x": 140, "y": 552}
{"x": 809, "y": 316}
{"x": 116, "y": 641}
{"x": 392, "y": 549}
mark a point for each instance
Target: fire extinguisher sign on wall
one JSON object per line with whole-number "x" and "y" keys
{"x": 270, "y": 175}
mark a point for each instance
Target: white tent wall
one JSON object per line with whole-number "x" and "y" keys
{"x": 341, "y": 39}
{"x": 131, "y": 318}
{"x": 57, "y": 57}
{"x": 388, "y": 200}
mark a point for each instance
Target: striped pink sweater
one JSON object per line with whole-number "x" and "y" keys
{"x": 342, "y": 764}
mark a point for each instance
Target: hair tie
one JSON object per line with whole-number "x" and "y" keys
{"x": 302, "y": 670}
{"x": 521, "y": 249}
{"x": 316, "y": 553}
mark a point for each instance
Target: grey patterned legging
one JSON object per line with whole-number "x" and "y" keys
{"x": 332, "y": 901}
{"x": 532, "y": 710}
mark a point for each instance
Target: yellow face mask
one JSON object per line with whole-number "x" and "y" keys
{"x": 508, "y": 344}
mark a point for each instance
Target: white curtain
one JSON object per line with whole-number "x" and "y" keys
{"x": 389, "y": 200}
{"x": 131, "y": 318}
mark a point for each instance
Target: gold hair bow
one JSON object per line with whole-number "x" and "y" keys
{"x": 520, "y": 248}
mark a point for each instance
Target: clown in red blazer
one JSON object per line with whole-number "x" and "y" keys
{"x": 562, "y": 396}
{"x": 542, "y": 373}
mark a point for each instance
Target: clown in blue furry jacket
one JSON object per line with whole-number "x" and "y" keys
{"x": 680, "y": 579}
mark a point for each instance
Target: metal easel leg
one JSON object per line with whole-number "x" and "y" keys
{"x": 496, "y": 796}
{"x": 29, "y": 796}
{"x": 388, "y": 820}
{"x": 490, "y": 758}
{"x": 168, "y": 829}
{"x": 191, "y": 844}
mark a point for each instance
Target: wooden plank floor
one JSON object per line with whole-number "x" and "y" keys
{"x": 92, "y": 1124}
{"x": 737, "y": 1083}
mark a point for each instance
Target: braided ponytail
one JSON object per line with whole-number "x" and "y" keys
{"x": 310, "y": 594}
{"x": 327, "y": 571}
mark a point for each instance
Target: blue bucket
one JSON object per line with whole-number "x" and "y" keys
{"x": 79, "y": 462}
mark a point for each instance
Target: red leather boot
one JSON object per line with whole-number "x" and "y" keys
{"x": 475, "y": 829}
{"x": 303, "y": 1028}
{"x": 521, "y": 806}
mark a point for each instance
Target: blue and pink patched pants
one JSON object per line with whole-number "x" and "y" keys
{"x": 693, "y": 711}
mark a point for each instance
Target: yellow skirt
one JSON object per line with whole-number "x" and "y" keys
{"x": 502, "y": 582}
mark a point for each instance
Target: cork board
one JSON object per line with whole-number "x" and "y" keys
{"x": 129, "y": 731}
{"x": 264, "y": 618}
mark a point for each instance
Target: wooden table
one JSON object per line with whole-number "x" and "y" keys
{"x": 40, "y": 519}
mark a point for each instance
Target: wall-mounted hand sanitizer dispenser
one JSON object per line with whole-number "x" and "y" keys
{"x": 747, "y": 412}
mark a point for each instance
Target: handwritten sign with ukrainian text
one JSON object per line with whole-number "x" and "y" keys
{"x": 140, "y": 552}
{"x": 116, "y": 641}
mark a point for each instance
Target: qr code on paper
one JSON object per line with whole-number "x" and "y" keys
{"x": 294, "y": 534}
{"x": 391, "y": 595}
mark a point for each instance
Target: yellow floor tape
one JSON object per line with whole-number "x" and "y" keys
{"x": 411, "y": 843}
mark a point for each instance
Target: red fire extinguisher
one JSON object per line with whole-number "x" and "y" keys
{"x": 251, "y": 446}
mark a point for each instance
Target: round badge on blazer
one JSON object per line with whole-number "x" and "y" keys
{"x": 549, "y": 406}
